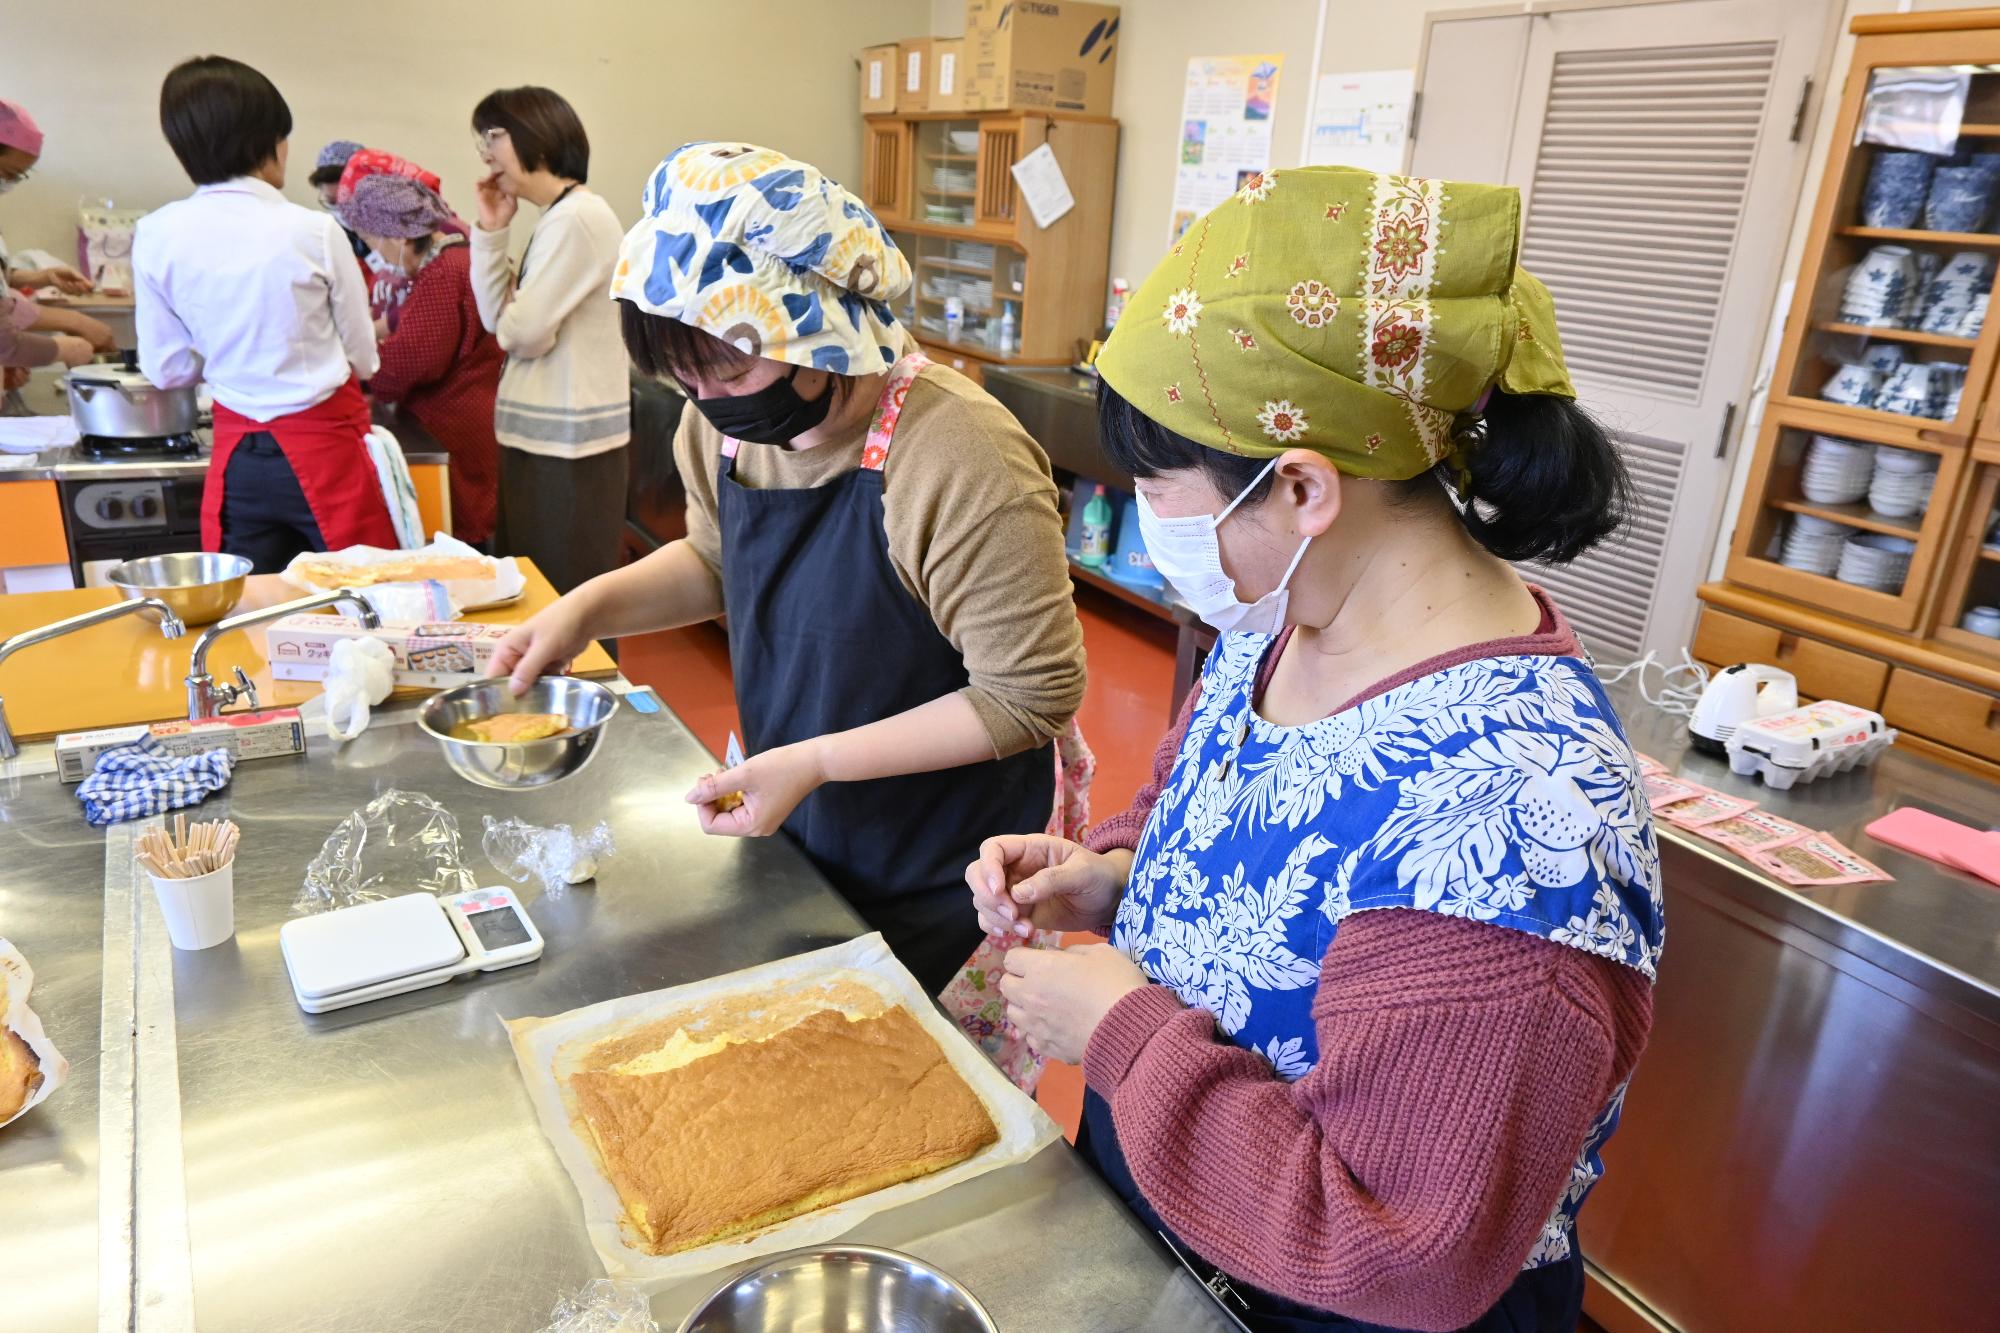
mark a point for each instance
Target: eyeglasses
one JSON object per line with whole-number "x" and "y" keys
{"x": 482, "y": 142}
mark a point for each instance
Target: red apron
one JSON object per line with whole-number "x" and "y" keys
{"x": 325, "y": 448}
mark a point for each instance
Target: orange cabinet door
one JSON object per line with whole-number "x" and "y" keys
{"x": 31, "y": 525}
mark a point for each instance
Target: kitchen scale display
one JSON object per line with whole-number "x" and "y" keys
{"x": 378, "y": 949}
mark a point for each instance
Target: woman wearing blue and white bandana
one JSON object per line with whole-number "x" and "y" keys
{"x": 883, "y": 537}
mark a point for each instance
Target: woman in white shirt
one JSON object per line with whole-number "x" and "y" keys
{"x": 262, "y": 299}
{"x": 564, "y": 412}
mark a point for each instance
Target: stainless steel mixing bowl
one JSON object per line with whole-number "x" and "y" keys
{"x": 839, "y": 1289}
{"x": 201, "y": 586}
{"x": 513, "y": 765}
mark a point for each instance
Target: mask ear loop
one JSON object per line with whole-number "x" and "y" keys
{"x": 1244, "y": 494}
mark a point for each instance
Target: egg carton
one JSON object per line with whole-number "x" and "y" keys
{"x": 1808, "y": 743}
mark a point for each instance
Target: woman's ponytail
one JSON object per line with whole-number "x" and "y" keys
{"x": 1547, "y": 482}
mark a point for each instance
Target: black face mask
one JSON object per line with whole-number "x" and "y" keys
{"x": 774, "y": 414}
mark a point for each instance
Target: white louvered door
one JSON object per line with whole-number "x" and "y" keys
{"x": 1653, "y": 146}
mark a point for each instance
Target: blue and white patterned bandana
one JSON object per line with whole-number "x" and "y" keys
{"x": 767, "y": 254}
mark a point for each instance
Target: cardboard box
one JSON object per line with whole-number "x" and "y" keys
{"x": 269, "y": 733}
{"x": 1040, "y": 55}
{"x": 948, "y": 73}
{"x": 913, "y": 86}
{"x": 881, "y": 76}
{"x": 433, "y": 656}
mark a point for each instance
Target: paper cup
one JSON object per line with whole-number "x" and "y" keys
{"x": 200, "y": 912}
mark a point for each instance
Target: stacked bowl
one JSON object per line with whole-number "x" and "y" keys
{"x": 1901, "y": 483}
{"x": 1875, "y": 560}
{"x": 1812, "y": 544}
{"x": 1836, "y": 471}
{"x": 1954, "y": 302}
{"x": 1880, "y": 289}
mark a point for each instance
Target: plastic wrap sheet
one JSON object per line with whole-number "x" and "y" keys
{"x": 16, "y": 977}
{"x": 861, "y": 970}
{"x": 400, "y": 841}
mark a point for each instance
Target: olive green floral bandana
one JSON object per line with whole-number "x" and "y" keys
{"x": 1337, "y": 310}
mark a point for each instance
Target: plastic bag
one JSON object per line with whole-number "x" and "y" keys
{"x": 602, "y": 1306}
{"x": 554, "y": 857}
{"x": 400, "y": 842}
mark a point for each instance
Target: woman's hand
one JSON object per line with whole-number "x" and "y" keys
{"x": 66, "y": 279}
{"x": 1057, "y": 997}
{"x": 97, "y": 333}
{"x": 496, "y": 206}
{"x": 753, "y": 799}
{"x": 73, "y": 350}
{"x": 544, "y": 644}
{"x": 12, "y": 378}
{"x": 381, "y": 328}
{"x": 1024, "y": 882}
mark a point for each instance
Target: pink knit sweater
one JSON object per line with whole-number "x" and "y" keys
{"x": 1405, "y": 1179}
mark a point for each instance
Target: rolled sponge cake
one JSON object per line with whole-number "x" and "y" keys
{"x": 705, "y": 1140}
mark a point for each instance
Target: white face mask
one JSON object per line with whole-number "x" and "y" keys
{"x": 9, "y": 182}
{"x": 1187, "y": 554}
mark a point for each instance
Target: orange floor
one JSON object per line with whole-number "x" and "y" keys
{"x": 1124, "y": 714}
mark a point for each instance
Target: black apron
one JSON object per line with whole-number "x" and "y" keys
{"x": 1548, "y": 1299}
{"x": 824, "y": 637}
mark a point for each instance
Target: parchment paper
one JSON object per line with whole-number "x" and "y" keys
{"x": 768, "y": 995}
{"x": 507, "y": 583}
{"x": 15, "y": 979}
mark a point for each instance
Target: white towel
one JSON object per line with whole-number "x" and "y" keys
{"x": 31, "y": 435}
{"x": 397, "y": 488}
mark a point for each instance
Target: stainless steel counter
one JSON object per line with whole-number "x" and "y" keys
{"x": 1811, "y": 1140}
{"x": 381, "y": 1166}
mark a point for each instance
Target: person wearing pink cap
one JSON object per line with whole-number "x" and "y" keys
{"x": 20, "y": 149}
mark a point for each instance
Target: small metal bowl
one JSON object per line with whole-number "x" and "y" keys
{"x": 201, "y": 586}
{"x": 839, "y": 1289}
{"x": 515, "y": 765}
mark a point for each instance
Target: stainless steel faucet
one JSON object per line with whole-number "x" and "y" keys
{"x": 208, "y": 699}
{"x": 170, "y": 627}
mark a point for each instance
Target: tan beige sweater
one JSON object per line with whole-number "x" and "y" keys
{"x": 974, "y": 533}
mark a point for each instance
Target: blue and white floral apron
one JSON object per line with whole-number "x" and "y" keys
{"x": 1500, "y": 790}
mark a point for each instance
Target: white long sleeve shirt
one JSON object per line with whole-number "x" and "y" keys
{"x": 238, "y": 286}
{"x": 566, "y": 391}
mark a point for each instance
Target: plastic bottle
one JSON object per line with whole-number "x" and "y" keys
{"x": 1096, "y": 530}
{"x": 1115, "y": 307}
{"x": 1006, "y": 343}
{"x": 954, "y": 319}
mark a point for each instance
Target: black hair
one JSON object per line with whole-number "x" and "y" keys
{"x": 667, "y": 349}
{"x": 1547, "y": 481}
{"x": 329, "y": 174}
{"x": 222, "y": 118}
{"x": 543, "y": 127}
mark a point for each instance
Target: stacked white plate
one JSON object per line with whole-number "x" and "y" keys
{"x": 1901, "y": 483}
{"x": 1836, "y": 471}
{"x": 1813, "y": 544}
{"x": 1875, "y": 560}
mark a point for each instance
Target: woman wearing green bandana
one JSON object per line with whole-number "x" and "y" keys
{"x": 1385, "y": 923}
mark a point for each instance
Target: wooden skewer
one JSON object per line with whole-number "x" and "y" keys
{"x": 188, "y": 850}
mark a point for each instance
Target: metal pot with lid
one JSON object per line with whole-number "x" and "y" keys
{"x": 115, "y": 400}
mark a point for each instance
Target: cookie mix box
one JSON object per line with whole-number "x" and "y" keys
{"x": 434, "y": 656}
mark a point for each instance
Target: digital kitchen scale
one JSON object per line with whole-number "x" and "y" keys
{"x": 378, "y": 949}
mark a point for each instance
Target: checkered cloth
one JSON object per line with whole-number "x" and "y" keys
{"x": 137, "y": 780}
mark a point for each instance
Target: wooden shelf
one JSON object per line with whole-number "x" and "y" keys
{"x": 1851, "y": 515}
{"x": 955, "y": 266}
{"x": 1957, "y": 238}
{"x": 1990, "y": 553}
{"x": 1900, "y": 335}
{"x": 1148, "y": 600}
{"x": 988, "y": 232}
{"x": 1980, "y": 130}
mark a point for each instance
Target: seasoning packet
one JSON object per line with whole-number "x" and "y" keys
{"x": 1817, "y": 859}
{"x": 1753, "y": 830}
{"x": 1648, "y": 765}
{"x": 1708, "y": 808}
{"x": 1663, "y": 791}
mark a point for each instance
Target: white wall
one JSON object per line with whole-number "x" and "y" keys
{"x": 645, "y": 75}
